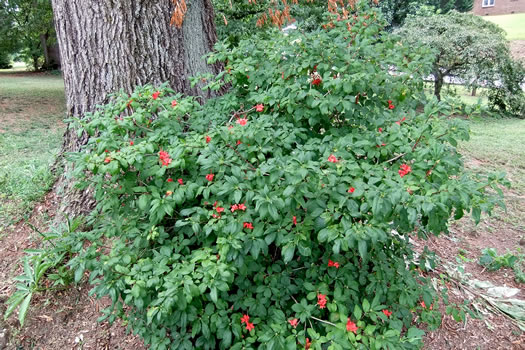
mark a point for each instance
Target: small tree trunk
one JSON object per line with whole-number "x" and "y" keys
{"x": 474, "y": 90}
{"x": 438, "y": 83}
{"x": 43, "y": 43}
{"x": 110, "y": 45}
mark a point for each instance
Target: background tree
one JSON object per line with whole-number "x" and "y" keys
{"x": 26, "y": 29}
{"x": 465, "y": 45}
{"x": 395, "y": 11}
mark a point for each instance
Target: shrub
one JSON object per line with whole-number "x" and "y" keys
{"x": 278, "y": 215}
{"x": 507, "y": 96}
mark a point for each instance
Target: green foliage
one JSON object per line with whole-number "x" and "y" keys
{"x": 44, "y": 263}
{"x": 490, "y": 259}
{"x": 396, "y": 11}
{"x": 22, "y": 24}
{"x": 506, "y": 94}
{"x": 293, "y": 196}
{"x": 242, "y": 17}
{"x": 465, "y": 45}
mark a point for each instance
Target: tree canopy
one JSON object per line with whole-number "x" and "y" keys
{"x": 465, "y": 45}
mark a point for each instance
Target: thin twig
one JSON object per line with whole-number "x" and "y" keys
{"x": 395, "y": 158}
{"x": 323, "y": 321}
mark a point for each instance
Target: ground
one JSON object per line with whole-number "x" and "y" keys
{"x": 515, "y": 29}
{"x": 31, "y": 126}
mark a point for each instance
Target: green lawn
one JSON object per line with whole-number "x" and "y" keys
{"x": 497, "y": 144}
{"x": 513, "y": 24}
{"x": 32, "y": 108}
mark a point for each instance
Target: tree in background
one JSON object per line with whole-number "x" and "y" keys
{"x": 466, "y": 46}
{"x": 26, "y": 29}
{"x": 395, "y": 11}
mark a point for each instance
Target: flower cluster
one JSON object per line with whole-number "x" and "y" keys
{"x": 246, "y": 320}
{"x": 332, "y": 159}
{"x": 351, "y": 326}
{"x": 333, "y": 264}
{"x": 236, "y": 207}
{"x": 321, "y": 300}
{"x": 390, "y": 105}
{"x": 164, "y": 158}
{"x": 404, "y": 169}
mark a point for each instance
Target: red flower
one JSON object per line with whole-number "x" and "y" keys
{"x": 180, "y": 182}
{"x": 404, "y": 170}
{"x": 334, "y": 264}
{"x": 156, "y": 95}
{"x": 308, "y": 344}
{"x": 294, "y": 220}
{"x": 234, "y": 207}
{"x": 389, "y": 102}
{"x": 174, "y": 103}
{"x": 351, "y": 190}
{"x": 241, "y": 206}
{"x": 238, "y": 142}
{"x": 169, "y": 179}
{"x": 259, "y": 107}
{"x": 249, "y": 326}
{"x": 387, "y": 313}
{"x": 293, "y": 322}
{"x": 131, "y": 143}
{"x": 248, "y": 225}
{"x": 164, "y": 158}
{"x": 380, "y": 129}
{"x": 242, "y": 121}
{"x": 401, "y": 120}
{"x": 391, "y": 106}
{"x": 423, "y": 305}
{"x": 245, "y": 319}
{"x": 219, "y": 209}
{"x": 316, "y": 81}
{"x": 351, "y": 326}
{"x": 107, "y": 160}
{"x": 333, "y": 159}
{"x": 208, "y": 139}
{"x": 210, "y": 176}
{"x": 321, "y": 301}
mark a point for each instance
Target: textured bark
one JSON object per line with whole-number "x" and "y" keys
{"x": 110, "y": 45}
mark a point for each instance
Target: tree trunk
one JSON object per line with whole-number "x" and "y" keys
{"x": 474, "y": 91}
{"x": 43, "y": 43}
{"x": 438, "y": 83}
{"x": 110, "y": 45}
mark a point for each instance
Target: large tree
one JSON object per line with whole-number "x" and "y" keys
{"x": 111, "y": 45}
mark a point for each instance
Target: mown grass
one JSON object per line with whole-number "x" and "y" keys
{"x": 513, "y": 24}
{"x": 32, "y": 108}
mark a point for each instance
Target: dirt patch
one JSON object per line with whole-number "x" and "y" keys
{"x": 56, "y": 320}
{"x": 517, "y": 49}
{"x": 463, "y": 246}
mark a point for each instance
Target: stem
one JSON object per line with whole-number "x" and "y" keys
{"x": 323, "y": 321}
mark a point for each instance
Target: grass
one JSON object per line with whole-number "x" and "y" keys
{"x": 513, "y": 24}
{"x": 32, "y": 109}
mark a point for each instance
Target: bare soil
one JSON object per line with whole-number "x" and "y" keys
{"x": 517, "y": 49}
{"x": 59, "y": 320}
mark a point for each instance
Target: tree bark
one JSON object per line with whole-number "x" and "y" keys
{"x": 438, "y": 83}
{"x": 110, "y": 45}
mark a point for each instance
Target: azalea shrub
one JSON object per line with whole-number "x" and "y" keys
{"x": 279, "y": 215}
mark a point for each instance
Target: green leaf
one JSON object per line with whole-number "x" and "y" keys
{"x": 357, "y": 312}
{"x": 362, "y": 247}
{"x": 23, "y": 309}
{"x": 288, "y": 252}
